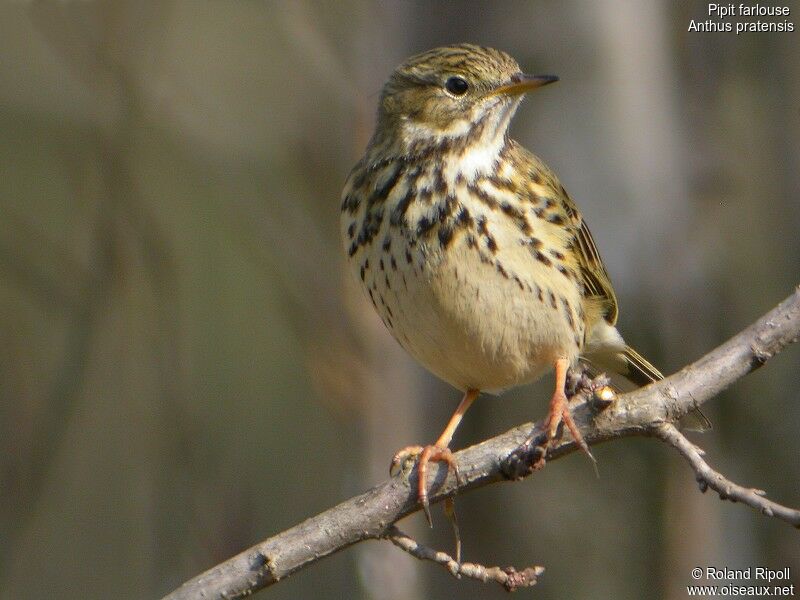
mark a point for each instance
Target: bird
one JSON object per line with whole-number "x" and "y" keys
{"x": 468, "y": 246}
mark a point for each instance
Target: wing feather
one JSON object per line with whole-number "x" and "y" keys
{"x": 595, "y": 277}
{"x": 593, "y": 274}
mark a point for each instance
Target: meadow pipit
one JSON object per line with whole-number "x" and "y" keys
{"x": 469, "y": 247}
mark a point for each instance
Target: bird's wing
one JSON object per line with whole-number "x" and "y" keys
{"x": 595, "y": 277}
{"x": 542, "y": 181}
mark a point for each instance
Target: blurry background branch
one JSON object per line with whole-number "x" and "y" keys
{"x": 649, "y": 411}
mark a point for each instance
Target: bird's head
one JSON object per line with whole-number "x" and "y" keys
{"x": 451, "y": 92}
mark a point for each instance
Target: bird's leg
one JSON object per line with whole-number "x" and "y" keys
{"x": 559, "y": 412}
{"x": 437, "y": 452}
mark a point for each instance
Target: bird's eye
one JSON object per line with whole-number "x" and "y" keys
{"x": 456, "y": 86}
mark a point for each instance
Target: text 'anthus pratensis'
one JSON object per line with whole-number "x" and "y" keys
{"x": 469, "y": 247}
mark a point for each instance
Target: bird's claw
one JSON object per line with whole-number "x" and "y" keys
{"x": 402, "y": 457}
{"x": 424, "y": 455}
{"x": 435, "y": 454}
{"x": 560, "y": 414}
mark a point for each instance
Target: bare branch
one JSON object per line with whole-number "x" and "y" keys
{"x": 508, "y": 577}
{"x": 727, "y": 490}
{"x": 372, "y": 514}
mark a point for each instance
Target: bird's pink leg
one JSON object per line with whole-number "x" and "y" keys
{"x": 559, "y": 412}
{"x": 436, "y": 452}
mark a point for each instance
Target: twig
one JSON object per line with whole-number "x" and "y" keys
{"x": 372, "y": 514}
{"x": 727, "y": 490}
{"x": 508, "y": 577}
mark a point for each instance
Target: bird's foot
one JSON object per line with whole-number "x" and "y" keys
{"x": 404, "y": 459}
{"x": 423, "y": 456}
{"x": 577, "y": 384}
{"x": 560, "y": 413}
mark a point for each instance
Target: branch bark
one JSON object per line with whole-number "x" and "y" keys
{"x": 727, "y": 490}
{"x": 508, "y": 577}
{"x": 649, "y": 411}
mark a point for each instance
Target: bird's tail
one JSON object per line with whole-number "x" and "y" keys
{"x": 638, "y": 370}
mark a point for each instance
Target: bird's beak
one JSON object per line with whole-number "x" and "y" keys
{"x": 522, "y": 83}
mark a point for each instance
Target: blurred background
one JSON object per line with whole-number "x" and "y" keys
{"x": 186, "y": 368}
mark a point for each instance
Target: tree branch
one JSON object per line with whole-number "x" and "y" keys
{"x": 727, "y": 490}
{"x": 649, "y": 411}
{"x": 508, "y": 577}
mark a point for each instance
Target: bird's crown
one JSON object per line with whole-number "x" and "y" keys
{"x": 480, "y": 67}
{"x": 445, "y": 92}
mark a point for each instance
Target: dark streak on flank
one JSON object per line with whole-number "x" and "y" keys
{"x": 381, "y": 193}
{"x": 370, "y": 226}
{"x": 399, "y": 212}
{"x": 505, "y": 185}
{"x": 447, "y": 208}
{"x": 483, "y": 196}
{"x": 483, "y": 230}
{"x": 350, "y": 204}
{"x": 542, "y": 258}
{"x": 445, "y": 235}
{"x": 518, "y": 216}
{"x": 568, "y": 313}
{"x": 424, "y": 225}
{"x": 552, "y": 298}
{"x": 500, "y": 269}
{"x": 439, "y": 184}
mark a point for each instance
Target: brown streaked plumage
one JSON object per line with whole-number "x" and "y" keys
{"x": 494, "y": 277}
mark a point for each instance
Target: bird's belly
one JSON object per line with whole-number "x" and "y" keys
{"x": 471, "y": 323}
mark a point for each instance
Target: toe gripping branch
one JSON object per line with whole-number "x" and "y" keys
{"x": 424, "y": 455}
{"x": 533, "y": 452}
